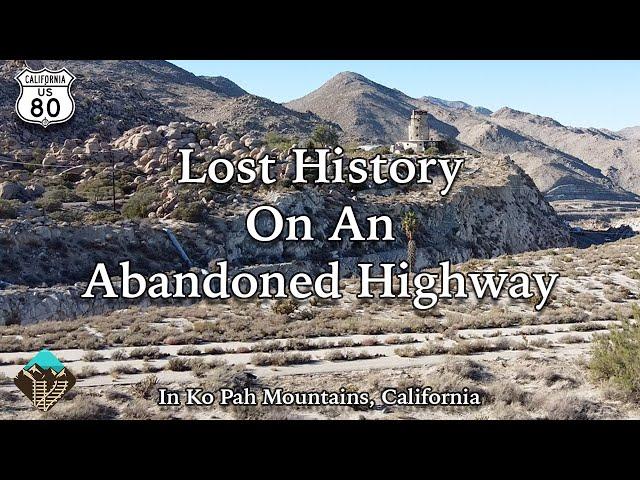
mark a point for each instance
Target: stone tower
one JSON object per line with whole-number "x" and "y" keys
{"x": 418, "y": 126}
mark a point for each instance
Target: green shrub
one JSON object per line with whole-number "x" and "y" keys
{"x": 140, "y": 204}
{"x": 324, "y": 135}
{"x": 105, "y": 216}
{"x": 189, "y": 211}
{"x": 432, "y": 151}
{"x": 616, "y": 356}
{"x": 202, "y": 134}
{"x": 53, "y": 199}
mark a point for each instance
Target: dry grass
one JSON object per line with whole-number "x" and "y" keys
{"x": 146, "y": 387}
{"x": 124, "y": 369}
{"x": 146, "y": 353}
{"x": 92, "y": 356}
{"x": 348, "y": 355}
{"x": 82, "y": 407}
{"x": 429, "y": 348}
{"x": 280, "y": 359}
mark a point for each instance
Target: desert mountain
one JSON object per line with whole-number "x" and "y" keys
{"x": 370, "y": 112}
{"x": 155, "y": 91}
{"x": 630, "y": 132}
{"x": 205, "y": 99}
{"x": 459, "y": 105}
{"x": 224, "y": 84}
{"x": 121, "y": 106}
{"x": 614, "y": 154}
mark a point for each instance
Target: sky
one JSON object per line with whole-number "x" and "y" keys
{"x": 601, "y": 94}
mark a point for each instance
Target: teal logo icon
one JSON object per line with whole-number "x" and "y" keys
{"x": 44, "y": 380}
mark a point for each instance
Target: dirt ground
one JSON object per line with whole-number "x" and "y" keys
{"x": 522, "y": 364}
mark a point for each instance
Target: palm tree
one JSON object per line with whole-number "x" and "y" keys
{"x": 409, "y": 225}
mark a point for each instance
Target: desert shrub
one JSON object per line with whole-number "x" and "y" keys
{"x": 146, "y": 353}
{"x": 540, "y": 343}
{"x": 214, "y": 350}
{"x": 616, "y": 293}
{"x": 569, "y": 407}
{"x": 177, "y": 364}
{"x": 82, "y": 407}
{"x": 87, "y": 371}
{"x": 180, "y": 339}
{"x": 8, "y": 397}
{"x": 284, "y": 306}
{"x": 324, "y": 135}
{"x": 189, "y": 211}
{"x": 4, "y": 379}
{"x": 348, "y": 355}
{"x": 199, "y": 368}
{"x": 280, "y": 359}
{"x": 408, "y": 351}
{"x": 234, "y": 377}
{"x": 587, "y": 327}
{"x": 635, "y": 274}
{"x": 145, "y": 387}
{"x": 616, "y": 357}
{"x": 117, "y": 395}
{"x": 138, "y": 410}
{"x": 552, "y": 377}
{"x": 432, "y": 151}
{"x": 507, "y": 392}
{"x": 467, "y": 347}
{"x": 299, "y": 344}
{"x": 571, "y": 339}
{"x": 433, "y": 348}
{"x": 281, "y": 142}
{"x": 148, "y": 367}
{"x": 429, "y": 348}
{"x": 52, "y": 199}
{"x": 124, "y": 370}
{"x": 268, "y": 346}
{"x": 106, "y": 216}
{"x": 119, "y": 355}
{"x": 398, "y": 340}
{"x": 92, "y": 356}
{"x": 466, "y": 369}
{"x": 189, "y": 350}
{"x": 7, "y": 210}
{"x": 140, "y": 204}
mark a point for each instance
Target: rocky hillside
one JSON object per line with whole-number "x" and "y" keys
{"x": 104, "y": 105}
{"x": 370, "y": 112}
{"x": 615, "y": 155}
{"x": 365, "y": 110}
{"x": 493, "y": 209}
{"x": 225, "y": 85}
{"x": 458, "y": 105}
{"x": 205, "y": 99}
{"x": 630, "y": 132}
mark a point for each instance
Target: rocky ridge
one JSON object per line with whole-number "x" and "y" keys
{"x": 372, "y": 113}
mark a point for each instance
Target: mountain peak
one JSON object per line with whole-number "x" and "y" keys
{"x": 347, "y": 75}
{"x": 225, "y": 86}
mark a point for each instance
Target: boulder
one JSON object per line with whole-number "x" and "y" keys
{"x": 139, "y": 141}
{"x": 49, "y": 159}
{"x": 11, "y": 191}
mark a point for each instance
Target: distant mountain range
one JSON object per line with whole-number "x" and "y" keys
{"x": 565, "y": 162}
{"x": 206, "y": 99}
{"x": 630, "y": 133}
